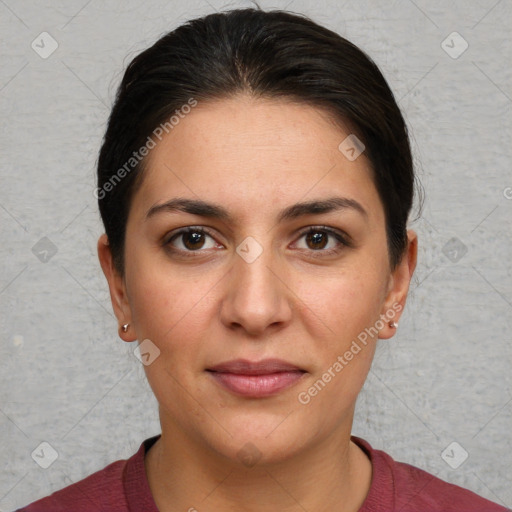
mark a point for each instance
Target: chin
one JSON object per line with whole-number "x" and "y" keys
{"x": 261, "y": 439}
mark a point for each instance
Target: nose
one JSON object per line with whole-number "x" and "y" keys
{"x": 257, "y": 297}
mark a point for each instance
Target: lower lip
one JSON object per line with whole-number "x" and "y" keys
{"x": 257, "y": 385}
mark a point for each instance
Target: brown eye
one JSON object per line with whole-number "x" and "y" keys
{"x": 193, "y": 240}
{"x": 324, "y": 241}
{"x": 190, "y": 240}
{"x": 317, "y": 239}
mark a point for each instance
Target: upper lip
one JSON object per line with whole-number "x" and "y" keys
{"x": 246, "y": 367}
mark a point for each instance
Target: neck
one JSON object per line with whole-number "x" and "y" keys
{"x": 183, "y": 475}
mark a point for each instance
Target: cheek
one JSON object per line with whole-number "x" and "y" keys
{"x": 332, "y": 394}
{"x": 153, "y": 306}
{"x": 157, "y": 294}
{"x": 172, "y": 309}
{"x": 345, "y": 302}
{"x": 349, "y": 307}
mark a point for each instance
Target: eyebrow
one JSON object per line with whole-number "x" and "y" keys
{"x": 216, "y": 211}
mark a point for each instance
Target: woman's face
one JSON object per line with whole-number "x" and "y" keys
{"x": 255, "y": 285}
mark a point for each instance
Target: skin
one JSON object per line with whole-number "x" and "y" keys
{"x": 256, "y": 157}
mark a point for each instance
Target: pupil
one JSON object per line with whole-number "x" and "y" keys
{"x": 195, "y": 237}
{"x": 316, "y": 238}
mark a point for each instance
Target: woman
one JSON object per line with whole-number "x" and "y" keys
{"x": 255, "y": 183}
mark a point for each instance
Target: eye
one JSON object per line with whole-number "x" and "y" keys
{"x": 193, "y": 239}
{"x": 190, "y": 239}
{"x": 317, "y": 238}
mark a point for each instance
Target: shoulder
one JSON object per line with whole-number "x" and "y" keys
{"x": 94, "y": 493}
{"x": 428, "y": 492}
{"x": 411, "y": 489}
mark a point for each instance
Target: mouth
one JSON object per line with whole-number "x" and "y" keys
{"x": 256, "y": 379}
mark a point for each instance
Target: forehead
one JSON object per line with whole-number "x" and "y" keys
{"x": 256, "y": 153}
{"x": 255, "y": 124}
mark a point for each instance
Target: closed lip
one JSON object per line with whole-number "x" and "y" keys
{"x": 246, "y": 367}
{"x": 256, "y": 379}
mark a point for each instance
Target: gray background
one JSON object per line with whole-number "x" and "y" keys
{"x": 65, "y": 376}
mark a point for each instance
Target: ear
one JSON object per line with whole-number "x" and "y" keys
{"x": 117, "y": 287}
{"x": 399, "y": 286}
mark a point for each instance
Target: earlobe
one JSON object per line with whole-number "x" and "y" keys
{"x": 117, "y": 289}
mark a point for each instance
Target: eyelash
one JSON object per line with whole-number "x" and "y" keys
{"x": 343, "y": 240}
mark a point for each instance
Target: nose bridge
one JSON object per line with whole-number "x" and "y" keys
{"x": 256, "y": 297}
{"x": 252, "y": 268}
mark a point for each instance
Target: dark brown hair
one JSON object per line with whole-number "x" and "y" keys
{"x": 266, "y": 54}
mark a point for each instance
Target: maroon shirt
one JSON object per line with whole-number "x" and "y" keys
{"x": 123, "y": 487}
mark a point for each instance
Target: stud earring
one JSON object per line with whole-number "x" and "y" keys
{"x": 125, "y": 327}
{"x": 393, "y": 325}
